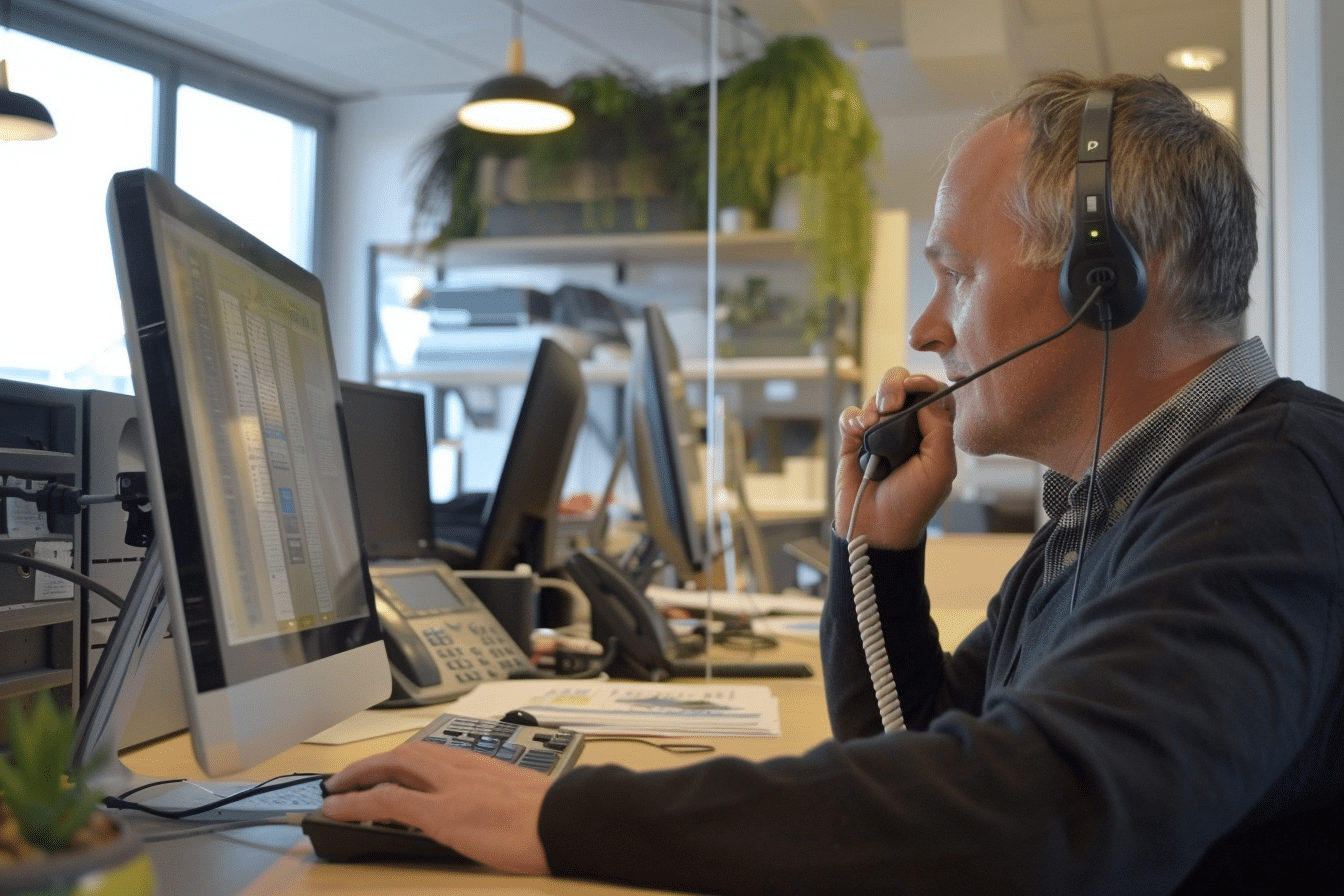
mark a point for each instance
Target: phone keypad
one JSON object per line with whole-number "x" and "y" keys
{"x": 482, "y": 653}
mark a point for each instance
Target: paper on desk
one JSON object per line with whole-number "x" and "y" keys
{"x": 376, "y": 723}
{"x": 632, "y": 708}
{"x": 746, "y": 603}
{"x": 806, "y": 628}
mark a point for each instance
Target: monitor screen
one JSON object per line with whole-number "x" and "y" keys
{"x": 389, "y": 453}
{"x": 236, "y": 387}
{"x": 520, "y": 519}
{"x": 663, "y": 444}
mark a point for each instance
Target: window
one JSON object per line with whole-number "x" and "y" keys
{"x": 58, "y": 288}
{"x": 246, "y": 144}
{"x": 251, "y": 166}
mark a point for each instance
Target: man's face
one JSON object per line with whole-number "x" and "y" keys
{"x": 986, "y": 304}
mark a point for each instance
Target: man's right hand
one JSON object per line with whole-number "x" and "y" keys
{"x": 894, "y": 511}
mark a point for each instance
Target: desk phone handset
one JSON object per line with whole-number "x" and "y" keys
{"x": 646, "y": 644}
{"x": 893, "y": 439}
{"x": 441, "y": 640}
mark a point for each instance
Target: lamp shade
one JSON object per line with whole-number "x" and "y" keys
{"x": 22, "y": 117}
{"x": 516, "y": 104}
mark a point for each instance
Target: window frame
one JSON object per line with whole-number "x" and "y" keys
{"x": 173, "y": 64}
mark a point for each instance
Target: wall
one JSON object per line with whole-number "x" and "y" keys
{"x": 1295, "y": 147}
{"x": 372, "y": 202}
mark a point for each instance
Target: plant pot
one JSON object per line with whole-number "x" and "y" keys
{"x": 120, "y": 867}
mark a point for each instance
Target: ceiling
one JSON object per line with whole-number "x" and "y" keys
{"x": 914, "y": 56}
{"x": 924, "y": 66}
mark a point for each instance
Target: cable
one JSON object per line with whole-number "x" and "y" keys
{"x": 1096, "y": 452}
{"x": 64, "y": 572}
{"x": 674, "y": 747}
{"x": 268, "y": 786}
{"x": 869, "y": 620}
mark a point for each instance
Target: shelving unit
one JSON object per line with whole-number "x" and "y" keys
{"x": 40, "y": 441}
{"x": 820, "y": 383}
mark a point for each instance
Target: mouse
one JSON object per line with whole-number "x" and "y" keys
{"x": 894, "y": 439}
{"x": 519, "y": 717}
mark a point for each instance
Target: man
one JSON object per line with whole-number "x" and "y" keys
{"x": 1171, "y": 722}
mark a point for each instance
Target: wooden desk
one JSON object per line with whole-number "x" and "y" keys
{"x": 278, "y": 861}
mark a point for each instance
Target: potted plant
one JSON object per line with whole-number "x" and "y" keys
{"x": 796, "y": 112}
{"x": 793, "y": 113}
{"x": 627, "y": 148}
{"x": 53, "y": 839}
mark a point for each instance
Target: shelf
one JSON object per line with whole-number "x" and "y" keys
{"x": 667, "y": 247}
{"x": 36, "y": 614}
{"x": 802, "y": 367}
{"x": 21, "y": 683}
{"x": 34, "y": 464}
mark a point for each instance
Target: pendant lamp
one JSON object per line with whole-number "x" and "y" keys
{"x": 22, "y": 117}
{"x": 516, "y": 103}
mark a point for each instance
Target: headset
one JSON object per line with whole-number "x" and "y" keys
{"x": 1103, "y": 284}
{"x": 1100, "y": 253}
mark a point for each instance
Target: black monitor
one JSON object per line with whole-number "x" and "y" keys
{"x": 389, "y": 453}
{"x": 662, "y": 443}
{"x": 520, "y": 518}
{"x": 272, "y": 607}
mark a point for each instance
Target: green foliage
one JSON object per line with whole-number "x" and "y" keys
{"x": 48, "y": 808}
{"x": 623, "y": 124}
{"x": 448, "y": 164}
{"x": 797, "y": 112}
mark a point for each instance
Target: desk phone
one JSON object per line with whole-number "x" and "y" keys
{"x": 441, "y": 640}
{"x": 547, "y": 750}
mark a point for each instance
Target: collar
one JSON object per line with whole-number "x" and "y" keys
{"x": 1213, "y": 397}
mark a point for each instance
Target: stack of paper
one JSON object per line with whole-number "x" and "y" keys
{"x": 632, "y": 708}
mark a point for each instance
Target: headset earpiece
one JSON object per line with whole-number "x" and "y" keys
{"x": 1100, "y": 253}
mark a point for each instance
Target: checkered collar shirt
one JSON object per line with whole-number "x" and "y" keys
{"x": 1211, "y": 398}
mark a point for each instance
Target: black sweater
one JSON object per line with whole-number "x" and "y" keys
{"x": 1182, "y": 729}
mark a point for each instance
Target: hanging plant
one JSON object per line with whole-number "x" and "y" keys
{"x": 621, "y": 131}
{"x": 797, "y": 112}
{"x": 448, "y": 166}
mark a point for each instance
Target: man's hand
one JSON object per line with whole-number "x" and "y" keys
{"x": 484, "y": 808}
{"x": 894, "y": 512}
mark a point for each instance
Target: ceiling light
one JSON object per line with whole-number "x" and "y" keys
{"x": 516, "y": 103}
{"x": 1199, "y": 59}
{"x": 22, "y": 117}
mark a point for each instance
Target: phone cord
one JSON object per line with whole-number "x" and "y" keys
{"x": 870, "y": 634}
{"x": 870, "y": 623}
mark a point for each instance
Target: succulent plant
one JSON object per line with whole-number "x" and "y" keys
{"x": 47, "y": 803}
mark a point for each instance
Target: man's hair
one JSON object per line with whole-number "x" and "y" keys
{"x": 1179, "y": 187}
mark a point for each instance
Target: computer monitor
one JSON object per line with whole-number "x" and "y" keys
{"x": 520, "y": 518}
{"x": 662, "y": 446}
{"x": 271, "y": 602}
{"x": 389, "y": 454}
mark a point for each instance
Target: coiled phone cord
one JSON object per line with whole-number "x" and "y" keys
{"x": 869, "y": 622}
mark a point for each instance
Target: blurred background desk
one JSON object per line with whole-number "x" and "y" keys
{"x": 963, "y": 572}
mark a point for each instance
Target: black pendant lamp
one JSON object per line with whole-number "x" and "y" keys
{"x": 22, "y": 117}
{"x": 516, "y": 103}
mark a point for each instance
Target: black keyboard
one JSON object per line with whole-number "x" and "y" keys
{"x": 547, "y": 750}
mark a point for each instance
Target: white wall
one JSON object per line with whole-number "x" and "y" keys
{"x": 1295, "y": 147}
{"x": 372, "y": 202}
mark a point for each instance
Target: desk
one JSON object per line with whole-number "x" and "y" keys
{"x": 278, "y": 861}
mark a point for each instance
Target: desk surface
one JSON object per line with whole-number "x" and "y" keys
{"x": 963, "y": 572}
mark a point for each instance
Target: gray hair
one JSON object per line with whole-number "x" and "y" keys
{"x": 1179, "y": 185}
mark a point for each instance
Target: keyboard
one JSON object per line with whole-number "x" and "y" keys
{"x": 550, "y": 751}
